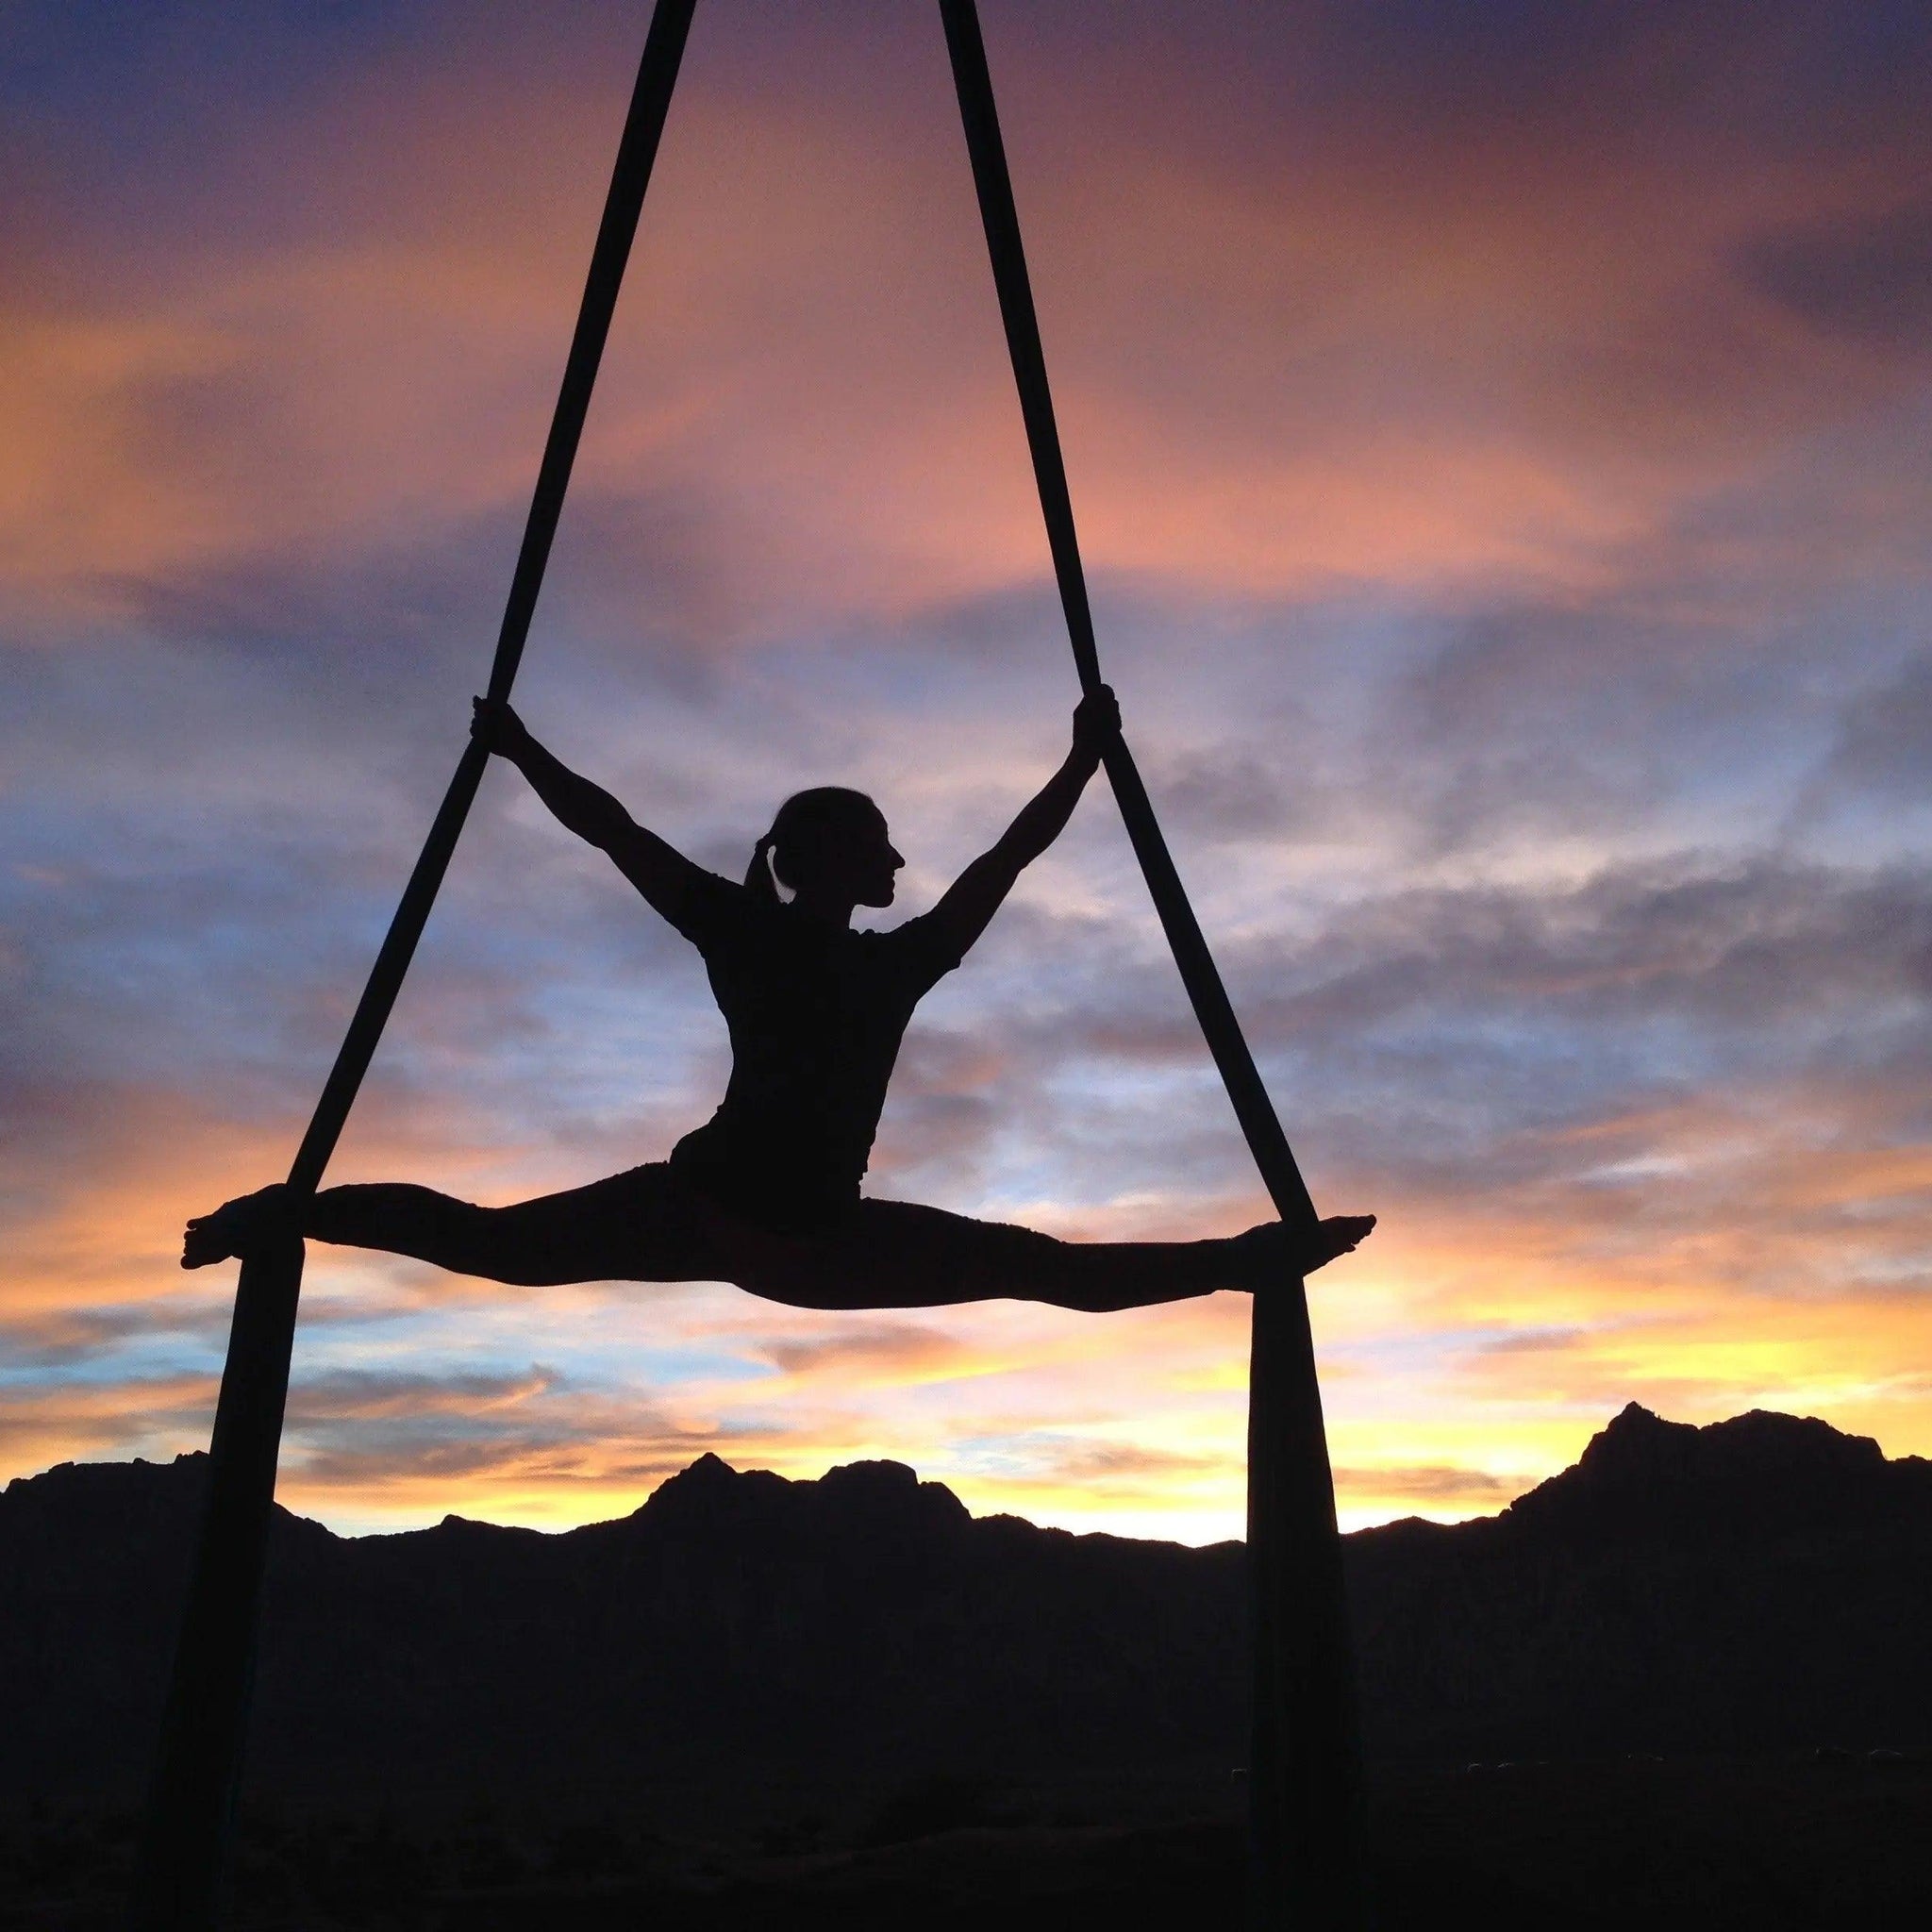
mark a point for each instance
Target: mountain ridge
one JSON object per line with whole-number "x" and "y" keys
{"x": 1754, "y": 1584}
{"x": 1628, "y": 1458}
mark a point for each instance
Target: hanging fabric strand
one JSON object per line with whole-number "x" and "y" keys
{"x": 1303, "y": 1777}
{"x": 192, "y": 1798}
{"x": 1305, "y": 1770}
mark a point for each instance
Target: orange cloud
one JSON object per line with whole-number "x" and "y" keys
{"x": 72, "y": 1422}
{"x": 1321, "y": 368}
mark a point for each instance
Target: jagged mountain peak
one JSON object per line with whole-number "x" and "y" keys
{"x": 852, "y": 1495}
{"x": 1638, "y": 1443}
{"x": 1748, "y": 1472}
{"x": 892, "y": 1486}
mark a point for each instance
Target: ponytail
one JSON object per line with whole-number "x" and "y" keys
{"x": 758, "y": 878}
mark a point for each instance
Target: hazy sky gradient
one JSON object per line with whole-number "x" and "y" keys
{"x": 1502, "y": 441}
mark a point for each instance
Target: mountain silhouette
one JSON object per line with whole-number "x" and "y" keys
{"x": 1758, "y": 1584}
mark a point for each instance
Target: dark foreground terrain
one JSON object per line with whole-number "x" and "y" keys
{"x": 1839, "y": 1844}
{"x": 1688, "y": 1682}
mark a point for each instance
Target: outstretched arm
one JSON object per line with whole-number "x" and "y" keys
{"x": 979, "y": 893}
{"x": 662, "y": 872}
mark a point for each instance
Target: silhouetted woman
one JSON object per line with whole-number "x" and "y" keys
{"x": 766, "y": 1192}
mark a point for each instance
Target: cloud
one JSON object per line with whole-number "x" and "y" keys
{"x": 1095, "y": 1476}
{"x": 63, "y": 1337}
{"x": 1440, "y": 1484}
{"x": 1736, "y": 949}
{"x": 1885, "y": 737}
{"x": 360, "y": 1396}
{"x": 529, "y": 1444}
{"x": 1865, "y": 276}
{"x": 1312, "y": 377}
{"x": 70, "y": 1421}
{"x": 897, "y": 1353}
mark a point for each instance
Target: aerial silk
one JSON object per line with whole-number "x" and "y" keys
{"x": 1304, "y": 1775}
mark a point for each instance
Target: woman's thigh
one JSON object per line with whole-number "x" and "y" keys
{"x": 896, "y": 1255}
{"x": 634, "y": 1227}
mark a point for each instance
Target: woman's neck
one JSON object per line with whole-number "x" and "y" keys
{"x": 821, "y": 910}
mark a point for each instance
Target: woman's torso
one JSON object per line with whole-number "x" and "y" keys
{"x": 816, "y": 1015}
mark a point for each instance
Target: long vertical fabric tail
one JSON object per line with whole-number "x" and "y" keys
{"x": 197, "y": 1767}
{"x": 1305, "y": 1778}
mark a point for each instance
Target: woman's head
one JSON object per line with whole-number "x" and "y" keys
{"x": 829, "y": 845}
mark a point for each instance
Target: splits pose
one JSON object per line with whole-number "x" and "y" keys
{"x": 766, "y": 1193}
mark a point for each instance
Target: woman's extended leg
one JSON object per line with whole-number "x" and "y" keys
{"x": 648, "y": 1225}
{"x": 894, "y": 1255}
{"x": 635, "y": 1226}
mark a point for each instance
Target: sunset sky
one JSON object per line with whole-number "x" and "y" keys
{"x": 1502, "y": 440}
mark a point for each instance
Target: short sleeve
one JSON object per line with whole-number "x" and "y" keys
{"x": 923, "y": 951}
{"x": 712, "y": 912}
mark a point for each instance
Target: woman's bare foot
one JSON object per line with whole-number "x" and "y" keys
{"x": 1274, "y": 1249}
{"x": 234, "y": 1226}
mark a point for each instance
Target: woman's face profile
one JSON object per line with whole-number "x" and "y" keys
{"x": 874, "y": 863}
{"x": 854, "y": 861}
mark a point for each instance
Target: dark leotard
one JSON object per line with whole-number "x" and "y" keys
{"x": 766, "y": 1192}
{"x": 816, "y": 1015}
